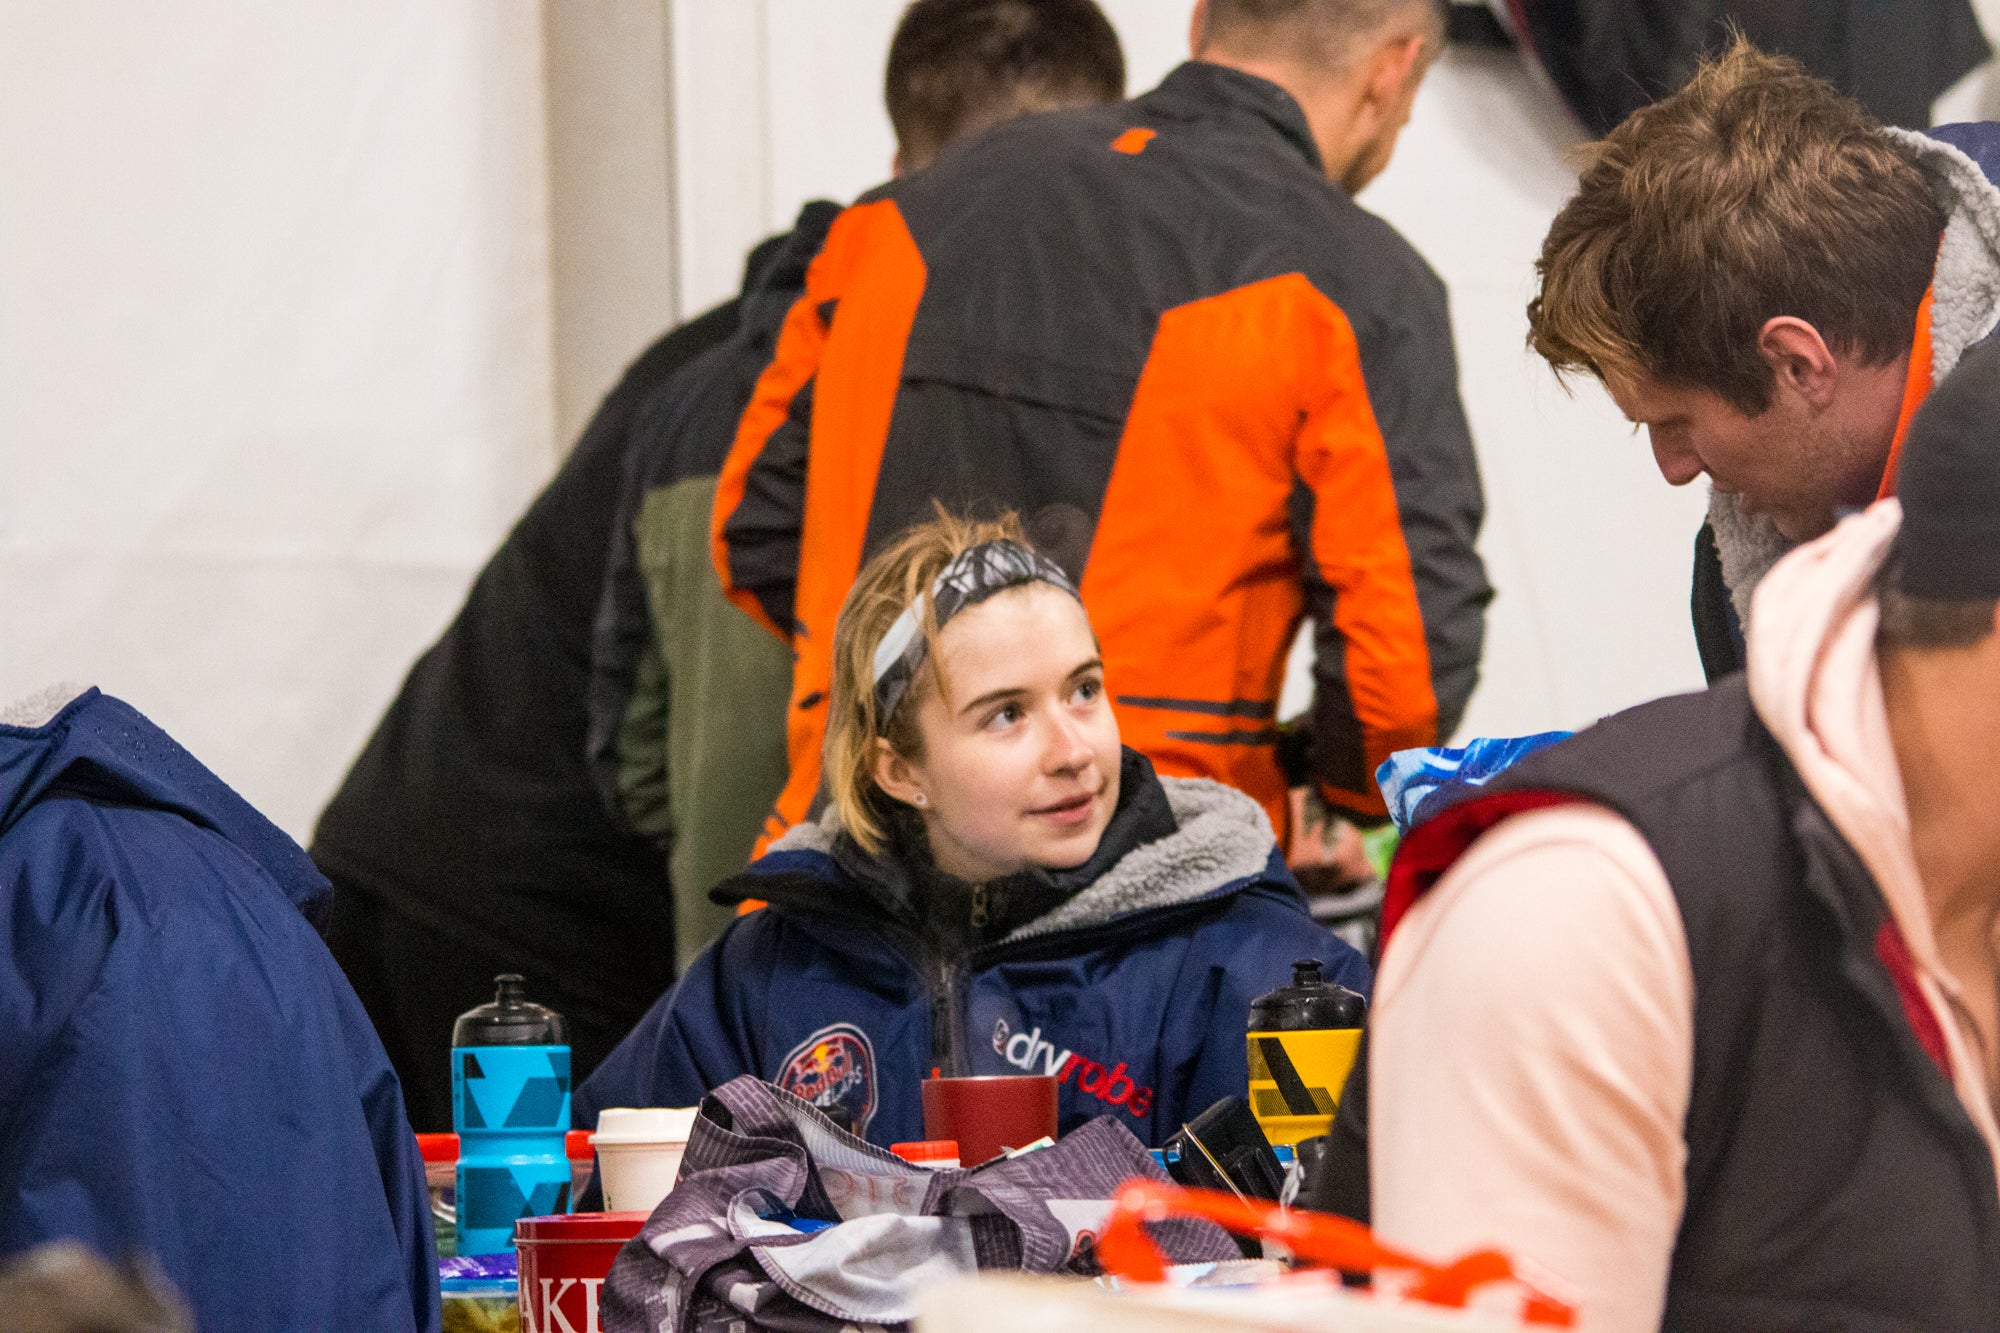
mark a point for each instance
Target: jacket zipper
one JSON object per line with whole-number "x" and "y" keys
{"x": 947, "y": 1044}
{"x": 943, "y": 980}
{"x": 946, "y": 980}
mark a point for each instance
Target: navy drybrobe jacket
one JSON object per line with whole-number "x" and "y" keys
{"x": 184, "y": 1071}
{"x": 1134, "y": 992}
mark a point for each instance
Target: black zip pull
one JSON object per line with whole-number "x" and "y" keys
{"x": 979, "y": 907}
{"x": 943, "y": 1055}
{"x": 946, "y": 1049}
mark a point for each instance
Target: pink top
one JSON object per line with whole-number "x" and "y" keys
{"x": 1529, "y": 1093}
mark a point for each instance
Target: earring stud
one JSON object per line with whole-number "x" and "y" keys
{"x": 923, "y": 800}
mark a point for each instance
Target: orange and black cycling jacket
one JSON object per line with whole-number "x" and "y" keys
{"x": 1215, "y": 389}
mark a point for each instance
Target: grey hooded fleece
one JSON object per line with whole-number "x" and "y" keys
{"x": 1965, "y": 307}
{"x": 1222, "y": 837}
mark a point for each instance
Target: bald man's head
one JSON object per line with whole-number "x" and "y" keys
{"x": 1352, "y": 66}
{"x": 1327, "y": 34}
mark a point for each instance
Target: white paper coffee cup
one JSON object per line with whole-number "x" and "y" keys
{"x": 639, "y": 1154}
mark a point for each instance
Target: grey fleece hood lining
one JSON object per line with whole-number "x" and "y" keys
{"x": 1223, "y": 837}
{"x": 40, "y": 708}
{"x": 1965, "y": 307}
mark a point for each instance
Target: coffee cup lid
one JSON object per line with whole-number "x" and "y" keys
{"x": 647, "y": 1124}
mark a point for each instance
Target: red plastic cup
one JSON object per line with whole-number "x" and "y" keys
{"x": 991, "y": 1113}
{"x": 563, "y": 1261}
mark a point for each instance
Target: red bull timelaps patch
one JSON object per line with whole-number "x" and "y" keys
{"x": 1032, "y": 1053}
{"x": 834, "y": 1068}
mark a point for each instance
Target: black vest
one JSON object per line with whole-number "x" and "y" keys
{"x": 1834, "y": 1182}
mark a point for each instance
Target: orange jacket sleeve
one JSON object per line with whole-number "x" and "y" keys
{"x": 760, "y": 496}
{"x": 1390, "y": 513}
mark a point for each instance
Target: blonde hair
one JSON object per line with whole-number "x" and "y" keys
{"x": 885, "y": 588}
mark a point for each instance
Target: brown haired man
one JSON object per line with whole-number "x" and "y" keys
{"x": 1770, "y": 282}
{"x": 957, "y": 67}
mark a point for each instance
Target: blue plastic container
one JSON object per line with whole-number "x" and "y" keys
{"x": 510, "y": 1106}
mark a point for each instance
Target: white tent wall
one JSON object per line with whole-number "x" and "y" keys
{"x": 299, "y": 305}
{"x": 275, "y": 355}
{"x": 610, "y": 194}
{"x": 1589, "y": 549}
{"x": 1977, "y": 95}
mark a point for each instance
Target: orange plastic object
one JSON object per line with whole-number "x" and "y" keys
{"x": 444, "y": 1147}
{"x": 1317, "y": 1238}
{"x": 922, "y": 1152}
{"x": 438, "y": 1147}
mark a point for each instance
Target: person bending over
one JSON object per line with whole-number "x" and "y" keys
{"x": 997, "y": 885}
{"x": 1701, "y": 1008}
{"x": 1770, "y": 282}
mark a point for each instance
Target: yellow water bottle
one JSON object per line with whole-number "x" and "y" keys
{"x": 1302, "y": 1043}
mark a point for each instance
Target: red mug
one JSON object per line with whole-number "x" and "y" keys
{"x": 990, "y": 1113}
{"x": 563, "y": 1261}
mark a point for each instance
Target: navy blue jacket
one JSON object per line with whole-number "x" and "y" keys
{"x": 1135, "y": 991}
{"x": 184, "y": 1071}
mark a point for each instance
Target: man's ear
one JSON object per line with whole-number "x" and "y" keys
{"x": 1390, "y": 69}
{"x": 1799, "y": 358}
{"x": 898, "y": 778}
{"x": 1198, "y": 28}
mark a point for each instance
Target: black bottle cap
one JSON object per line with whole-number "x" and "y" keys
{"x": 511, "y": 1019}
{"x": 1327, "y": 1183}
{"x": 1310, "y": 1002}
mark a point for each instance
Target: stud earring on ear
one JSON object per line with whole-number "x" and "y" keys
{"x": 922, "y": 800}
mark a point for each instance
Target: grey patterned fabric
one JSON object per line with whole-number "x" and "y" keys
{"x": 718, "y": 1256}
{"x": 975, "y": 574}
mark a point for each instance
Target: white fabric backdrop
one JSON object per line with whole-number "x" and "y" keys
{"x": 274, "y": 355}
{"x": 276, "y": 351}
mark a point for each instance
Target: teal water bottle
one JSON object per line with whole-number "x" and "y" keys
{"x": 510, "y": 1106}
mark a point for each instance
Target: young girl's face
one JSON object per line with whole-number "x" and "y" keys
{"x": 1020, "y": 749}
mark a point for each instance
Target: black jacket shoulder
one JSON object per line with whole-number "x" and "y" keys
{"x": 1226, "y": 191}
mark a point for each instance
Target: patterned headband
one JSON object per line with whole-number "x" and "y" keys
{"x": 974, "y": 575}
